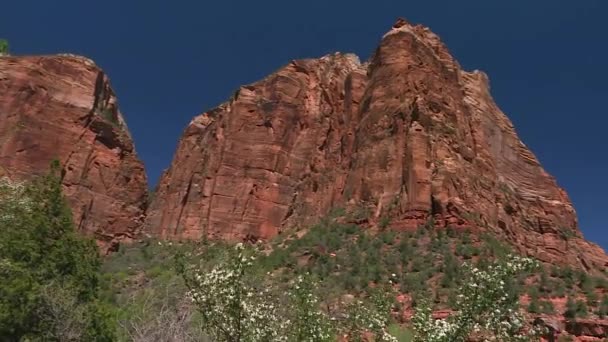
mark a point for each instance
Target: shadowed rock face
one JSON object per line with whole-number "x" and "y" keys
{"x": 62, "y": 107}
{"x": 408, "y": 135}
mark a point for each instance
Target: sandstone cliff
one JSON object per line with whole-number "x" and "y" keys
{"x": 62, "y": 107}
{"x": 407, "y": 136}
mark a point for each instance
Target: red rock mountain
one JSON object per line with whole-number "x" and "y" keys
{"x": 62, "y": 107}
{"x": 408, "y": 136}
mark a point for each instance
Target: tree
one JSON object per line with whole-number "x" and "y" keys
{"x": 231, "y": 309}
{"x": 161, "y": 313}
{"x": 483, "y": 307}
{"x": 308, "y": 323}
{"x": 3, "y": 46}
{"x": 45, "y": 267}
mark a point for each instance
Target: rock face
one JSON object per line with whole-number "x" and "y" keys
{"x": 407, "y": 136}
{"x": 62, "y": 107}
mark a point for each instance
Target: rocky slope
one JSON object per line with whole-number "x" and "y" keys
{"x": 405, "y": 137}
{"x": 62, "y": 107}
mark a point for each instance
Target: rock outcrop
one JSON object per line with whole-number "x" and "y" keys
{"x": 407, "y": 136}
{"x": 62, "y": 107}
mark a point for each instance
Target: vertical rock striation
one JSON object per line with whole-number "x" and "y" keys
{"x": 408, "y": 135}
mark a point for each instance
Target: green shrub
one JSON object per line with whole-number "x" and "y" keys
{"x": 387, "y": 237}
{"x": 575, "y": 309}
{"x": 466, "y": 251}
{"x": 546, "y": 307}
{"x": 402, "y": 334}
{"x": 384, "y": 222}
{"x": 581, "y": 309}
{"x": 545, "y": 285}
{"x": 566, "y": 233}
{"x": 559, "y": 290}
{"x": 108, "y": 115}
{"x": 534, "y": 305}
{"x": 592, "y": 298}
{"x": 603, "y": 307}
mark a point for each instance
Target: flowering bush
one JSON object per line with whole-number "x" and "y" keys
{"x": 230, "y": 308}
{"x": 484, "y": 307}
{"x": 309, "y": 323}
{"x": 233, "y": 310}
{"x": 362, "y": 318}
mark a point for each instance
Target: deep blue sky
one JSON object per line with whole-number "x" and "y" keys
{"x": 170, "y": 60}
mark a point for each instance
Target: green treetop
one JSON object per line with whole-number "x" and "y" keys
{"x": 3, "y": 46}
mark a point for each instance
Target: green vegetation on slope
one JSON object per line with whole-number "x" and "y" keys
{"x": 346, "y": 260}
{"x": 56, "y": 288}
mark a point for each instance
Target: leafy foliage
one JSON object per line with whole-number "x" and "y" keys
{"x": 50, "y": 274}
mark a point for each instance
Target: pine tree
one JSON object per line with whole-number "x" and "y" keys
{"x": 45, "y": 265}
{"x": 3, "y": 46}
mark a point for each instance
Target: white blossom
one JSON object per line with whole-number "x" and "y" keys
{"x": 483, "y": 308}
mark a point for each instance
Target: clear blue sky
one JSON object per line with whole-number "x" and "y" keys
{"x": 170, "y": 60}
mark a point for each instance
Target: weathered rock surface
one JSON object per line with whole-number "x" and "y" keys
{"x": 408, "y": 135}
{"x": 578, "y": 329}
{"x": 62, "y": 107}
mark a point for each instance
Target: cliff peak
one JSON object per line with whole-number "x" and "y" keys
{"x": 408, "y": 137}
